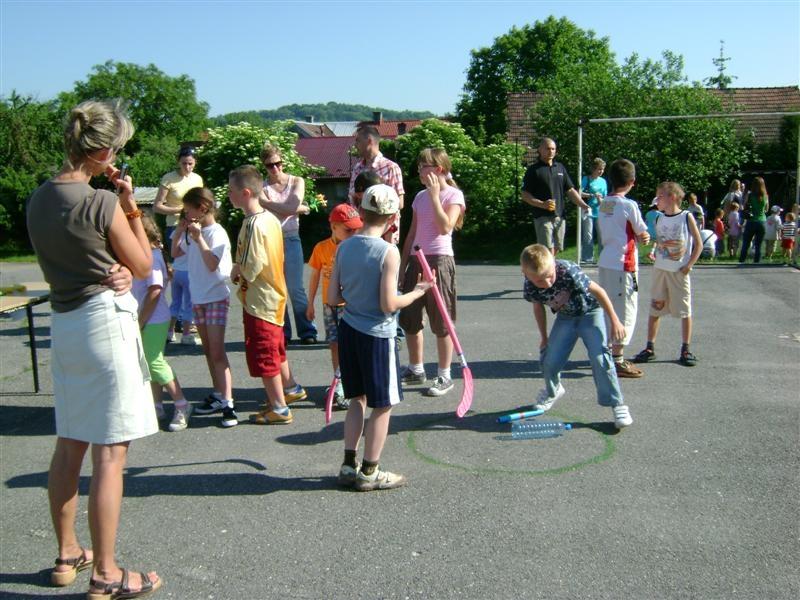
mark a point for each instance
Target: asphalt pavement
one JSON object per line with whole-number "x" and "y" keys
{"x": 699, "y": 498}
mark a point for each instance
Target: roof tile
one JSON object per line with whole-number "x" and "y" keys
{"x": 331, "y": 153}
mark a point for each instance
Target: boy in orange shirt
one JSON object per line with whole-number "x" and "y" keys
{"x": 345, "y": 221}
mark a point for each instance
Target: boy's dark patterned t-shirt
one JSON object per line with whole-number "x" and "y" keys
{"x": 569, "y": 295}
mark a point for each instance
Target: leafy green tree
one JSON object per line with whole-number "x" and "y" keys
{"x": 524, "y": 60}
{"x": 31, "y": 151}
{"x": 235, "y": 145}
{"x": 696, "y": 153}
{"x": 783, "y": 153}
{"x": 486, "y": 174}
{"x": 721, "y": 80}
{"x": 160, "y": 106}
{"x": 156, "y": 156}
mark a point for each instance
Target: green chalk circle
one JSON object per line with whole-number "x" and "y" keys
{"x": 478, "y": 437}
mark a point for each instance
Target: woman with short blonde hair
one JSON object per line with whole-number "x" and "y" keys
{"x": 101, "y": 386}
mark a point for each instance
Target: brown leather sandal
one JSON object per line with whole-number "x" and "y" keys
{"x": 119, "y": 590}
{"x": 62, "y": 578}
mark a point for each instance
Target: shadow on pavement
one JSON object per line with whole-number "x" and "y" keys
{"x": 156, "y": 480}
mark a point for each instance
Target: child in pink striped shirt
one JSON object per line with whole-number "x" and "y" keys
{"x": 437, "y": 211}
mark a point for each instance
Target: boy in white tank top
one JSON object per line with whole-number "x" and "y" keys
{"x": 677, "y": 248}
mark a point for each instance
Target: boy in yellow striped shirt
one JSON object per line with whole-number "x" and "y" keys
{"x": 258, "y": 272}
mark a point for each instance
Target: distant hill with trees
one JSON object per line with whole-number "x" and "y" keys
{"x": 331, "y": 111}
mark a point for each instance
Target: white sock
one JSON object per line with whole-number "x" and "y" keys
{"x": 282, "y": 410}
{"x": 228, "y": 402}
{"x": 181, "y": 403}
{"x": 443, "y": 372}
{"x": 417, "y": 369}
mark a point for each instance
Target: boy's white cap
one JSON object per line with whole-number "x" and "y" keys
{"x": 776, "y": 209}
{"x": 381, "y": 199}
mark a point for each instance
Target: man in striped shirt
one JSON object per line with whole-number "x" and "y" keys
{"x": 367, "y": 144}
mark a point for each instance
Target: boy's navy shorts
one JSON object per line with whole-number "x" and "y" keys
{"x": 369, "y": 367}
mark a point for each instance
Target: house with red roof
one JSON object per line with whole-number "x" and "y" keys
{"x": 334, "y": 154}
{"x": 390, "y": 129}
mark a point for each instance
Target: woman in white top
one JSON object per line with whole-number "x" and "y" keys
{"x": 283, "y": 197}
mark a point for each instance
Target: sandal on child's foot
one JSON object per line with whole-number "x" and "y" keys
{"x": 644, "y": 356}
{"x": 119, "y": 590}
{"x": 62, "y": 578}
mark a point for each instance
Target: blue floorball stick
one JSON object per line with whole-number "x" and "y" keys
{"x": 519, "y": 416}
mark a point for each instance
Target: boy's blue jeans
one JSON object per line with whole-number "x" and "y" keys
{"x": 591, "y": 328}
{"x": 293, "y": 272}
{"x": 587, "y": 239}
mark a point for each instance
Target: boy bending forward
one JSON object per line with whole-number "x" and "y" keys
{"x": 577, "y": 302}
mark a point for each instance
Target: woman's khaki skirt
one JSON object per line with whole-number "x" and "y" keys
{"x": 101, "y": 383}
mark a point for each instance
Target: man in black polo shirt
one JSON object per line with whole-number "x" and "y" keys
{"x": 545, "y": 186}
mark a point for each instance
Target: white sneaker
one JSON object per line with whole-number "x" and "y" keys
{"x": 189, "y": 339}
{"x": 622, "y": 416}
{"x": 440, "y": 387}
{"x": 379, "y": 480}
{"x": 180, "y": 420}
{"x": 171, "y": 339}
{"x": 544, "y": 401}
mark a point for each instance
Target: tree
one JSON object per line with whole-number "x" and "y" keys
{"x": 721, "y": 80}
{"x": 155, "y": 156}
{"x": 160, "y": 106}
{"x": 330, "y": 111}
{"x": 525, "y": 60}
{"x": 486, "y": 174}
{"x": 696, "y": 153}
{"x": 235, "y": 145}
{"x": 31, "y": 150}
{"x": 781, "y": 154}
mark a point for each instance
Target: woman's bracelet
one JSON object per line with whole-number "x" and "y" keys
{"x": 134, "y": 214}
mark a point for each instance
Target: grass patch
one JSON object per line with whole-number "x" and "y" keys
{"x": 17, "y": 258}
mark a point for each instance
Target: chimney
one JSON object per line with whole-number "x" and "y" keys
{"x": 309, "y": 118}
{"x": 401, "y": 128}
{"x": 377, "y": 117}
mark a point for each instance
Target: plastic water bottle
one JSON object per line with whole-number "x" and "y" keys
{"x": 532, "y": 429}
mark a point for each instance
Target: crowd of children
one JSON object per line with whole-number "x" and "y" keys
{"x": 364, "y": 313}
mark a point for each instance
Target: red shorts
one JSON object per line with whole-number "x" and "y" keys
{"x": 787, "y": 244}
{"x": 264, "y": 346}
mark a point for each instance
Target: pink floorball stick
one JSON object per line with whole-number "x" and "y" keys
{"x": 466, "y": 395}
{"x": 329, "y": 399}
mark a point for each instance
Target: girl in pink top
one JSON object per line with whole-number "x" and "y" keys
{"x": 437, "y": 211}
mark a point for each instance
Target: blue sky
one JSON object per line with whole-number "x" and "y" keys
{"x": 403, "y": 55}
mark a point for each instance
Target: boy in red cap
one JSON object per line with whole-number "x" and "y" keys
{"x": 345, "y": 221}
